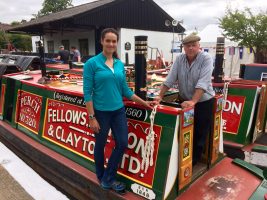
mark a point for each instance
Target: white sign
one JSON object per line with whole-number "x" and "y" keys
{"x": 176, "y": 46}
{"x": 143, "y": 191}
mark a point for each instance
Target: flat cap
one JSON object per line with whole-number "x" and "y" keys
{"x": 191, "y": 38}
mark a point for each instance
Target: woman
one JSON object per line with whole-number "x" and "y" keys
{"x": 104, "y": 88}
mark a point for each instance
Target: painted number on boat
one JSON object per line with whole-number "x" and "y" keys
{"x": 143, "y": 191}
{"x": 136, "y": 113}
{"x": 27, "y": 120}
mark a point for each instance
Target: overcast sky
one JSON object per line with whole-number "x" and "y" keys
{"x": 194, "y": 13}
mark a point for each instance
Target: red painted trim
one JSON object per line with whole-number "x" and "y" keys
{"x": 249, "y": 82}
{"x": 33, "y": 84}
{"x": 217, "y": 84}
{"x": 237, "y": 85}
{"x": 77, "y": 70}
{"x": 256, "y": 65}
{"x": 58, "y": 66}
{"x": 64, "y": 67}
{"x": 240, "y": 85}
{"x": 2, "y": 98}
{"x": 233, "y": 144}
{"x": 251, "y": 146}
{"x": 61, "y": 159}
{"x": 13, "y": 74}
{"x": 64, "y": 91}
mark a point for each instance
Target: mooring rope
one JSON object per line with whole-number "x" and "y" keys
{"x": 225, "y": 92}
{"x": 147, "y": 155}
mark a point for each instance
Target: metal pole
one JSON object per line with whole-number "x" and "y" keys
{"x": 172, "y": 42}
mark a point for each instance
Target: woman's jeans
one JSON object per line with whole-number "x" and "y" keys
{"x": 117, "y": 122}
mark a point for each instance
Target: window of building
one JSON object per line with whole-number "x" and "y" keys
{"x": 50, "y": 46}
{"x": 83, "y": 47}
{"x": 66, "y": 44}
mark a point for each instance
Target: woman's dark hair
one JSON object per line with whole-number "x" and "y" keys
{"x": 110, "y": 30}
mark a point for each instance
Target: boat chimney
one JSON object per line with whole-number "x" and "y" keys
{"x": 218, "y": 70}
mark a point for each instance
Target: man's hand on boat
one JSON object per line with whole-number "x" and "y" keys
{"x": 187, "y": 104}
{"x": 94, "y": 126}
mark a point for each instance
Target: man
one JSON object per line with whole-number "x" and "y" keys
{"x": 193, "y": 70}
{"x": 41, "y": 49}
{"x": 63, "y": 55}
{"x": 76, "y": 54}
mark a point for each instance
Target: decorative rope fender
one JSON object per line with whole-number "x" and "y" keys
{"x": 147, "y": 155}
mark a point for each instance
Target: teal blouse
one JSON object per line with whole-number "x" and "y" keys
{"x": 105, "y": 88}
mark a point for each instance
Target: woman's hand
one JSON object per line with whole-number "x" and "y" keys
{"x": 138, "y": 100}
{"x": 94, "y": 126}
{"x": 157, "y": 100}
{"x": 150, "y": 104}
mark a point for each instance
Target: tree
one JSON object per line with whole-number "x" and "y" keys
{"x": 21, "y": 42}
{"x": 15, "y": 23}
{"x": 52, "y": 6}
{"x": 247, "y": 29}
{"x": 3, "y": 39}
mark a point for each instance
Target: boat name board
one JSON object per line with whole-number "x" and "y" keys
{"x": 28, "y": 110}
{"x": 67, "y": 125}
{"x": 232, "y": 113}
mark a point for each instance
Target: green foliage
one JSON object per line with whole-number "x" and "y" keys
{"x": 52, "y": 6}
{"x": 15, "y": 23}
{"x": 21, "y": 42}
{"x": 2, "y": 40}
{"x": 247, "y": 29}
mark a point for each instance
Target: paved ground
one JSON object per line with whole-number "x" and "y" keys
{"x": 19, "y": 182}
{"x": 10, "y": 188}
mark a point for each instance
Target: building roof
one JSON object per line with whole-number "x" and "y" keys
{"x": 4, "y": 27}
{"x": 65, "y": 14}
{"x": 138, "y": 14}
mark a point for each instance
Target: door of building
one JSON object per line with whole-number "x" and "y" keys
{"x": 83, "y": 47}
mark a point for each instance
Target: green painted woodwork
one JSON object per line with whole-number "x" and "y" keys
{"x": 12, "y": 86}
{"x": 252, "y": 168}
{"x": 260, "y": 191}
{"x": 262, "y": 149}
{"x": 242, "y": 137}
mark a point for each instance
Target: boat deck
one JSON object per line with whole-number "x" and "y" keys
{"x": 224, "y": 181}
{"x": 75, "y": 180}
